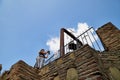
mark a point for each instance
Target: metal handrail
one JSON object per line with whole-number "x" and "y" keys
{"x": 96, "y": 44}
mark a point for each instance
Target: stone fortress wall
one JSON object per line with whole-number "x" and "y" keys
{"x": 82, "y": 64}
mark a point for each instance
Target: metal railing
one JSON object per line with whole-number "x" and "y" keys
{"x": 88, "y": 37}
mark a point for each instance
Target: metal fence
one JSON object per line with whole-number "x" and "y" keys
{"x": 88, "y": 37}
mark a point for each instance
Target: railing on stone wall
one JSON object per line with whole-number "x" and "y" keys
{"x": 88, "y": 37}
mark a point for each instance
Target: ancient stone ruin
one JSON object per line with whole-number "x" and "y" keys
{"x": 84, "y": 63}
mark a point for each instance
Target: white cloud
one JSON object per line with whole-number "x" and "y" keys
{"x": 82, "y": 27}
{"x": 54, "y": 42}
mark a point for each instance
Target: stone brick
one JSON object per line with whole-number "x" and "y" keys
{"x": 72, "y": 74}
{"x": 82, "y": 64}
{"x": 109, "y": 34}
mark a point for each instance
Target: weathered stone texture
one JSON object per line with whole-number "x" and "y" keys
{"x": 82, "y": 64}
{"x": 21, "y": 71}
{"x": 110, "y": 36}
{"x": 78, "y": 65}
{"x": 110, "y": 59}
{"x": 72, "y": 74}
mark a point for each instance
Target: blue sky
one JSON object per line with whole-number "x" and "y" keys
{"x": 27, "y": 25}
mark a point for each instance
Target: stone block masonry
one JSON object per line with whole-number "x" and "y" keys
{"x": 110, "y": 36}
{"x": 84, "y": 63}
{"x": 20, "y": 71}
{"x": 81, "y": 64}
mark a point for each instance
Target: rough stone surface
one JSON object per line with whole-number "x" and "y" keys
{"x": 72, "y": 74}
{"x": 110, "y": 36}
{"x": 115, "y": 73}
{"x": 82, "y": 64}
{"x": 57, "y": 78}
{"x": 21, "y": 71}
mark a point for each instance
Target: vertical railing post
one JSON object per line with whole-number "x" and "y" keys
{"x": 96, "y": 40}
{"x": 90, "y": 39}
{"x": 62, "y": 51}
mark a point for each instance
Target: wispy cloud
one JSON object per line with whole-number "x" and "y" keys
{"x": 54, "y": 42}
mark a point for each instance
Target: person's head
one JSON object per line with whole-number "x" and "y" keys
{"x": 42, "y": 50}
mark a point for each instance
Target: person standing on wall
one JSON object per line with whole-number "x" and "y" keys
{"x": 0, "y": 68}
{"x": 41, "y": 57}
